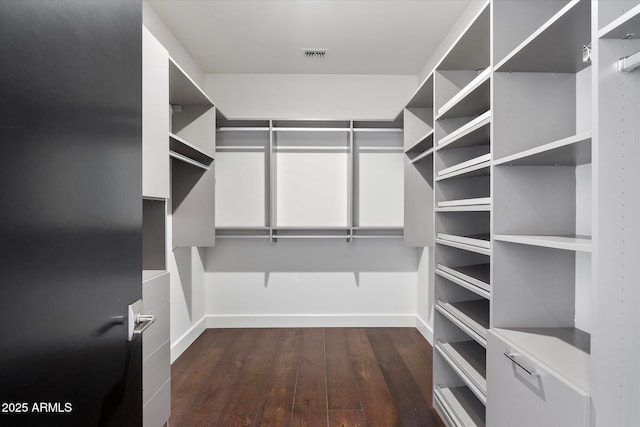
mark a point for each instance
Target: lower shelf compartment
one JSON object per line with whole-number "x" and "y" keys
{"x": 460, "y": 406}
{"x": 473, "y": 277}
{"x": 468, "y": 359}
{"x": 470, "y": 316}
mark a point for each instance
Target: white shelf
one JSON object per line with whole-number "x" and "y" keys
{"x": 187, "y": 160}
{"x": 464, "y": 165}
{"x": 475, "y": 132}
{"x": 472, "y": 314}
{"x": 426, "y": 140}
{"x": 556, "y": 47}
{"x": 183, "y": 90}
{"x": 472, "y": 277}
{"x": 563, "y": 351}
{"x": 468, "y": 359}
{"x": 183, "y": 148}
{"x": 470, "y": 248}
{"x": 629, "y": 23}
{"x": 473, "y": 99}
{"x": 479, "y": 169}
{"x": 465, "y": 202}
{"x": 422, "y": 156}
{"x": 461, "y": 406}
{"x": 571, "y": 151}
{"x": 243, "y": 129}
{"x": 569, "y": 243}
{"x": 479, "y": 204}
{"x": 423, "y": 96}
{"x": 479, "y": 240}
{"x": 378, "y": 130}
{"x": 310, "y": 129}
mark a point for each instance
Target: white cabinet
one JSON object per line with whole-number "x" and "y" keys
{"x": 525, "y": 393}
{"x": 155, "y": 114}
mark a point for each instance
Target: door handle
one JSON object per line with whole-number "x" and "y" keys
{"x": 137, "y": 321}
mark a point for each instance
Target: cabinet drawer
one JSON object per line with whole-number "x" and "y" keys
{"x": 540, "y": 398}
{"x": 158, "y": 333}
{"x": 155, "y": 291}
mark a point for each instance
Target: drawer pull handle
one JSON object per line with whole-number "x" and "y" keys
{"x": 513, "y": 358}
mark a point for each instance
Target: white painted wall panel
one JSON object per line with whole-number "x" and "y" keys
{"x": 240, "y": 189}
{"x": 259, "y": 278}
{"x": 381, "y": 190}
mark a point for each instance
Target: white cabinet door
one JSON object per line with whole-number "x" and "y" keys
{"x": 518, "y": 398}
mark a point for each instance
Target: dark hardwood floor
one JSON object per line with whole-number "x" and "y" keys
{"x": 304, "y": 377}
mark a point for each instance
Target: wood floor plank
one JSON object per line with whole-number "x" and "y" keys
{"x": 214, "y": 395}
{"x": 310, "y": 402}
{"x": 247, "y": 396}
{"x": 279, "y": 392}
{"x": 412, "y": 407}
{"x": 418, "y": 362}
{"x": 291, "y": 377}
{"x": 192, "y": 371}
{"x": 342, "y": 418}
{"x": 377, "y": 403}
{"x": 342, "y": 393}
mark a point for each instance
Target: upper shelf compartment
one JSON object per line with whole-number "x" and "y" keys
{"x": 183, "y": 90}
{"x": 555, "y": 47}
{"x": 193, "y": 119}
{"x": 471, "y": 50}
{"x": 619, "y": 18}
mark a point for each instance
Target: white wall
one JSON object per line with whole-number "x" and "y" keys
{"x": 159, "y": 29}
{"x": 294, "y": 283}
{"x": 308, "y": 96}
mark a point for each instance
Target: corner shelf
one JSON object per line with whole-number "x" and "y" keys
{"x": 180, "y": 149}
{"x": 472, "y": 100}
{"x": 460, "y": 405}
{"x": 470, "y": 316}
{"x": 475, "y": 132}
{"x": 572, "y": 151}
{"x": 468, "y": 359}
{"x": 568, "y": 243}
{"x": 424, "y": 143}
{"x": 554, "y": 47}
{"x": 183, "y": 90}
{"x": 564, "y": 351}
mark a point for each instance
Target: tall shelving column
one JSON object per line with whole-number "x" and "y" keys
{"x": 462, "y": 158}
{"x": 615, "y": 381}
{"x": 192, "y": 150}
{"x": 538, "y": 351}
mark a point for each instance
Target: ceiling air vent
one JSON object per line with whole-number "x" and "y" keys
{"x": 315, "y": 53}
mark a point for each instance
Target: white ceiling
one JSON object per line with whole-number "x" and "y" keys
{"x": 389, "y": 37}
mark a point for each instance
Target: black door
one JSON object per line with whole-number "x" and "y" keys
{"x": 70, "y": 211}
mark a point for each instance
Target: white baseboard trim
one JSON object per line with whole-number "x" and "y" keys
{"x": 192, "y": 334}
{"x": 424, "y": 329}
{"x": 310, "y": 320}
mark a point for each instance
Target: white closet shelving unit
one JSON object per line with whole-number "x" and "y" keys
{"x": 541, "y": 223}
{"x": 462, "y": 206}
{"x": 285, "y": 179}
{"x": 192, "y": 151}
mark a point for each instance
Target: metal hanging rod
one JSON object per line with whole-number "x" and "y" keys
{"x": 628, "y": 63}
